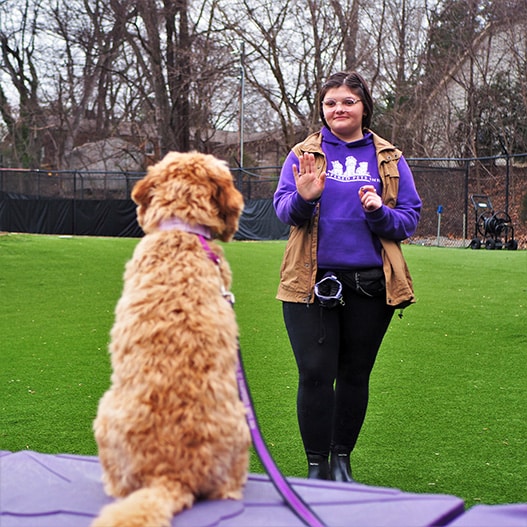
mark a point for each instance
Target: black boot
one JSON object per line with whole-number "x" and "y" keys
{"x": 340, "y": 467}
{"x": 318, "y": 467}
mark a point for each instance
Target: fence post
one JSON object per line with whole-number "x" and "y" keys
{"x": 74, "y": 205}
{"x": 507, "y": 167}
{"x": 465, "y": 212}
{"x": 507, "y": 180}
{"x": 439, "y": 212}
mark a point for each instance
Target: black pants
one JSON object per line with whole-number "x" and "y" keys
{"x": 335, "y": 350}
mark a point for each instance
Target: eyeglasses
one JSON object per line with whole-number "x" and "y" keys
{"x": 347, "y": 103}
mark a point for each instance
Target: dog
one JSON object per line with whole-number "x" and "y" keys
{"x": 171, "y": 429}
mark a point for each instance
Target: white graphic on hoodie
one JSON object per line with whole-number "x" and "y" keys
{"x": 352, "y": 171}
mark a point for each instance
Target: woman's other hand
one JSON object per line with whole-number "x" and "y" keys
{"x": 369, "y": 198}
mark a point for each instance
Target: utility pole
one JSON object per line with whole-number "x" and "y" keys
{"x": 242, "y": 101}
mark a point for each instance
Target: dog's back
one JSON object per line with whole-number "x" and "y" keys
{"x": 171, "y": 428}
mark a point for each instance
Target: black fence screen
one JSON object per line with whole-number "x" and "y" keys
{"x": 98, "y": 203}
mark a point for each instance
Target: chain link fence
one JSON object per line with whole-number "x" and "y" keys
{"x": 453, "y": 193}
{"x": 472, "y": 202}
{"x": 63, "y": 184}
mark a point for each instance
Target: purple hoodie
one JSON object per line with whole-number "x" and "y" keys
{"x": 347, "y": 235}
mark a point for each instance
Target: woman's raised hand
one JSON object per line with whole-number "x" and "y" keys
{"x": 309, "y": 183}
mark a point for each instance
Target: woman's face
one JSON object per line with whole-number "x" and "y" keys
{"x": 343, "y": 111}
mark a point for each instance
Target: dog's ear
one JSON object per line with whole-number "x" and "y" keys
{"x": 142, "y": 192}
{"x": 230, "y": 205}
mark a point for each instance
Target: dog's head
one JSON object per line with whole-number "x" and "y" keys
{"x": 195, "y": 188}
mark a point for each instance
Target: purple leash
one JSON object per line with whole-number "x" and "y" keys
{"x": 295, "y": 502}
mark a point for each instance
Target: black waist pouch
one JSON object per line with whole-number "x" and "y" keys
{"x": 366, "y": 282}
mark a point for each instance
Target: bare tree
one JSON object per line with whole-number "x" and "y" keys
{"x": 88, "y": 43}
{"x": 399, "y": 28}
{"x": 18, "y": 35}
{"x": 347, "y": 15}
{"x": 460, "y": 99}
{"x": 169, "y": 71}
{"x": 290, "y": 50}
{"x": 179, "y": 63}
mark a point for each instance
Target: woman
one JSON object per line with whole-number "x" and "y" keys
{"x": 350, "y": 198}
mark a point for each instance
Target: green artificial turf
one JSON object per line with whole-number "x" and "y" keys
{"x": 57, "y": 300}
{"x": 448, "y": 398}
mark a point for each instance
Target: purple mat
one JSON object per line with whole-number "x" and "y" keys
{"x": 44, "y": 490}
{"x": 514, "y": 515}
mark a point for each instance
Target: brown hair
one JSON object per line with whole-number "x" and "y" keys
{"x": 354, "y": 82}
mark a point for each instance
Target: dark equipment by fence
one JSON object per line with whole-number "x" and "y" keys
{"x": 493, "y": 229}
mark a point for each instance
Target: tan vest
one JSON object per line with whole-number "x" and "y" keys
{"x": 299, "y": 266}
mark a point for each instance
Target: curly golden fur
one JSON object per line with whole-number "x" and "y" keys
{"x": 171, "y": 428}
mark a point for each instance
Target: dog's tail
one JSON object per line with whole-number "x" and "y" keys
{"x": 150, "y": 506}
